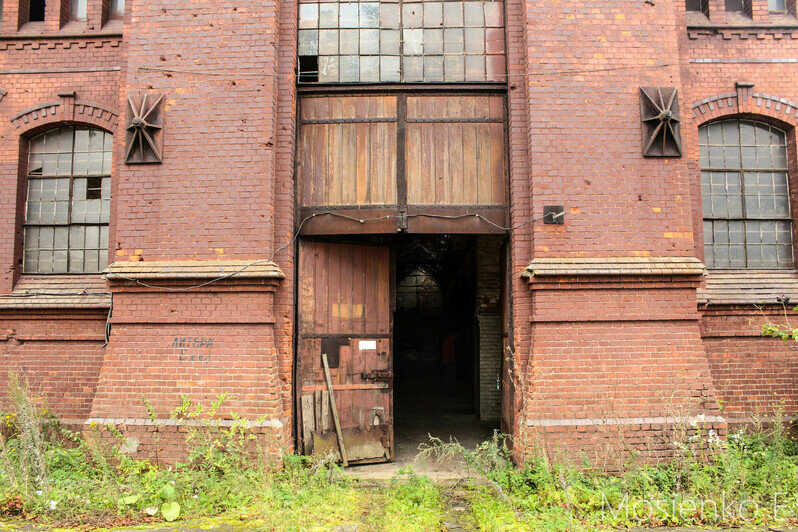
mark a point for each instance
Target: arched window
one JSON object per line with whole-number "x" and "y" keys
{"x": 745, "y": 191}
{"x": 68, "y": 201}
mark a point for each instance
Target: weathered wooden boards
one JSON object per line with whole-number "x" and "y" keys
{"x": 344, "y": 312}
{"x": 455, "y": 151}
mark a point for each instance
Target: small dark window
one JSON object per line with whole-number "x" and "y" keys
{"x": 698, "y": 5}
{"x": 308, "y": 68}
{"x": 739, "y": 6}
{"x": 36, "y": 11}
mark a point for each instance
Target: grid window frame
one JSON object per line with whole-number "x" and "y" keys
{"x": 745, "y": 195}
{"x": 402, "y": 41}
{"x": 67, "y": 201}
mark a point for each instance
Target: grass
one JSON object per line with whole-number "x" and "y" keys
{"x": 50, "y": 476}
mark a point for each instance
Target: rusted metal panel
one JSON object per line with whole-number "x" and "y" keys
{"x": 344, "y": 311}
{"x": 456, "y": 220}
{"x": 347, "y": 221}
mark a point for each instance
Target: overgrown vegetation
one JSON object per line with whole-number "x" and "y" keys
{"x": 51, "y": 474}
{"x": 749, "y": 479}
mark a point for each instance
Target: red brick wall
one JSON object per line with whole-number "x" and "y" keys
{"x": 225, "y": 190}
{"x": 59, "y": 352}
{"x": 753, "y": 376}
{"x": 226, "y": 177}
{"x": 592, "y": 349}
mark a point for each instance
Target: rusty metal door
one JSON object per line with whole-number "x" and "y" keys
{"x": 345, "y": 311}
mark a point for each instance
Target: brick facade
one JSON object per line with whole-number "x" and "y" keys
{"x": 596, "y": 359}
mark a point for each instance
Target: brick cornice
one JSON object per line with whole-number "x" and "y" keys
{"x": 60, "y": 42}
{"x": 745, "y": 102}
{"x": 66, "y": 110}
{"x": 757, "y": 32}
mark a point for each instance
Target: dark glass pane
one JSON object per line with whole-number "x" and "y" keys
{"x": 695, "y": 5}
{"x": 735, "y": 5}
{"x": 36, "y": 11}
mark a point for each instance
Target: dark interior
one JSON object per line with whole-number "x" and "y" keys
{"x": 435, "y": 298}
{"x": 36, "y": 11}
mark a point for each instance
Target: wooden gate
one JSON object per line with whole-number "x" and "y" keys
{"x": 345, "y": 312}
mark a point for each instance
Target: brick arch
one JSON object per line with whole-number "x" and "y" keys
{"x": 63, "y": 111}
{"x": 746, "y": 102}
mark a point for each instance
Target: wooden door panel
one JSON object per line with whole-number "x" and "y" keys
{"x": 344, "y": 312}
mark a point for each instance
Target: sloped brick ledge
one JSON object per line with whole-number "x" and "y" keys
{"x": 749, "y": 287}
{"x": 614, "y": 266}
{"x": 236, "y": 269}
{"x": 57, "y": 292}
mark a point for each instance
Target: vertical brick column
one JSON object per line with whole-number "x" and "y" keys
{"x": 584, "y": 147}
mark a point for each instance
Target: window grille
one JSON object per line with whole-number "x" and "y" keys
{"x": 68, "y": 201}
{"x": 745, "y": 194}
{"x": 388, "y": 41}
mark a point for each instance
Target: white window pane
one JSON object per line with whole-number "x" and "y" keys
{"x": 308, "y": 15}
{"x": 117, "y": 8}
{"x": 77, "y": 9}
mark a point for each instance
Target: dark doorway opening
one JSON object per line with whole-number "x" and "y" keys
{"x": 431, "y": 316}
{"x": 440, "y": 375}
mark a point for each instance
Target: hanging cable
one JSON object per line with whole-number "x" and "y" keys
{"x": 337, "y": 215}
